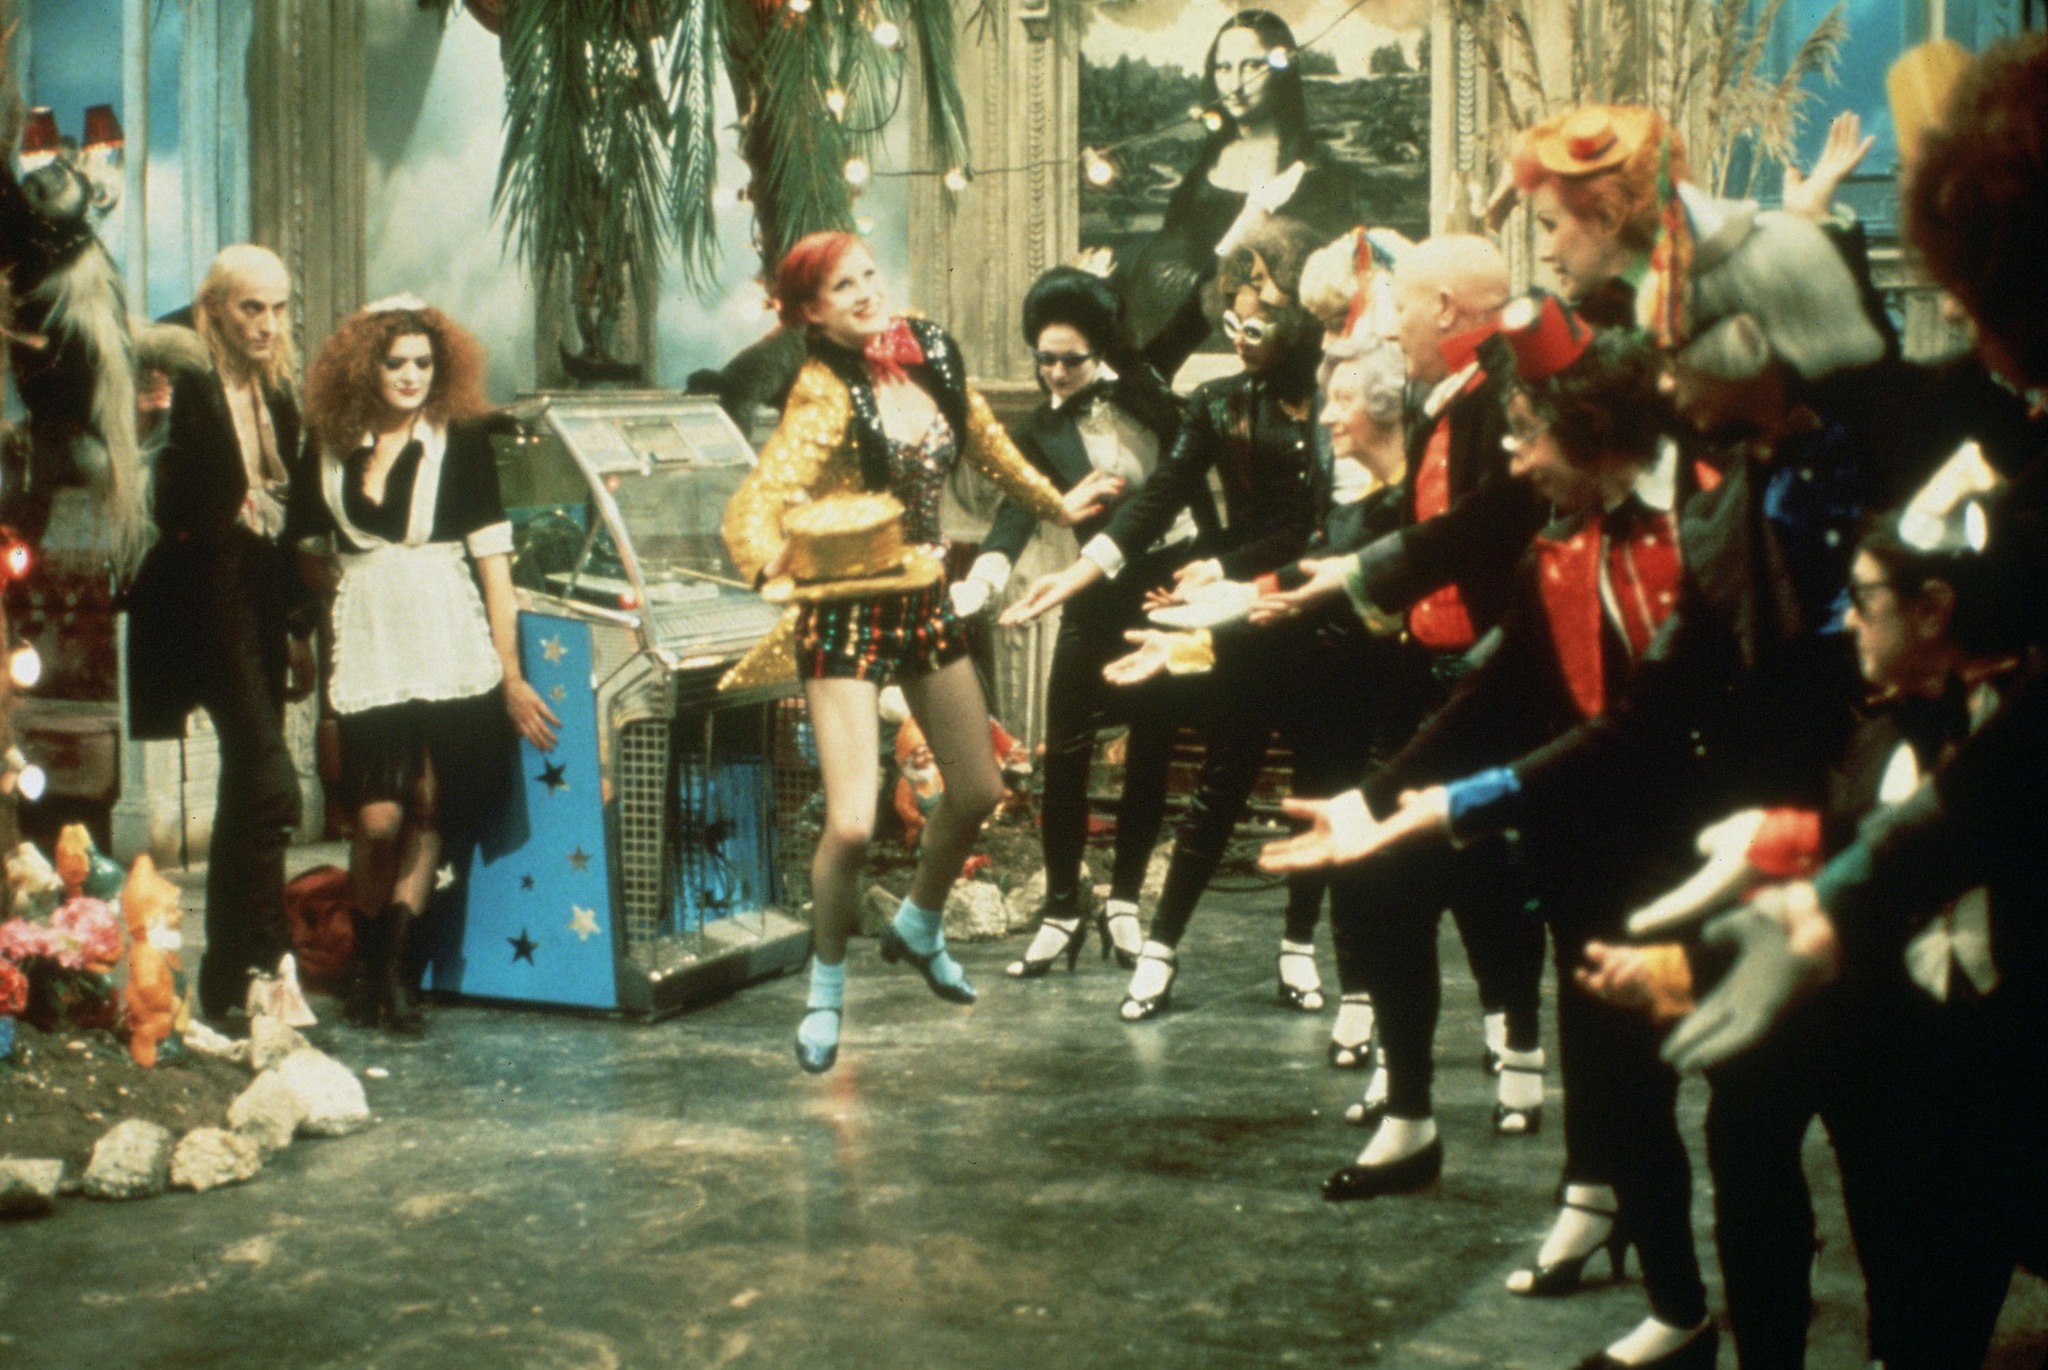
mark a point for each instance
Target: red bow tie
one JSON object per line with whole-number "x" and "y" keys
{"x": 894, "y": 348}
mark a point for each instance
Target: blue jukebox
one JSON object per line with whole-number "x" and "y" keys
{"x": 636, "y": 867}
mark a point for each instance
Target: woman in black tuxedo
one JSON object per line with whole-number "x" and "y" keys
{"x": 1105, "y": 411}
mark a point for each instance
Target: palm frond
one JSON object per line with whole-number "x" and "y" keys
{"x": 696, "y": 58}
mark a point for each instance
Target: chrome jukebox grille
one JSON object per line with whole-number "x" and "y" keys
{"x": 642, "y": 776}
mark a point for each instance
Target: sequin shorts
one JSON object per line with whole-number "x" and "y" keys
{"x": 882, "y": 638}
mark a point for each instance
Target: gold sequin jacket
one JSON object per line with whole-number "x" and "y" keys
{"x": 830, "y": 441}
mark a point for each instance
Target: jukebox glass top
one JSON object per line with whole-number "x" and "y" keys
{"x": 617, "y": 498}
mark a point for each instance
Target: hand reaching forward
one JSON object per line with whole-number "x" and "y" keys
{"x": 1048, "y": 592}
{"x": 1785, "y": 950}
{"x": 1326, "y": 580}
{"x": 1655, "y": 980}
{"x": 1713, "y": 886}
{"x": 1343, "y": 830}
{"x": 1089, "y": 496}
{"x": 1812, "y": 196}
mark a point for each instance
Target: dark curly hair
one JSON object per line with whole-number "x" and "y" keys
{"x": 1282, "y": 246}
{"x": 341, "y": 390}
{"x": 1605, "y": 402}
{"x": 1976, "y": 205}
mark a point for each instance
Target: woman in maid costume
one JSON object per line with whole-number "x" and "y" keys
{"x": 399, "y": 479}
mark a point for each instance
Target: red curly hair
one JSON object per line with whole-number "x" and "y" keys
{"x": 1625, "y": 195}
{"x": 342, "y": 402}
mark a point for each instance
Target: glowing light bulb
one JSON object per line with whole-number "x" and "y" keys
{"x": 835, "y": 102}
{"x": 1212, "y": 120}
{"x": 865, "y": 223}
{"x": 956, "y": 179}
{"x": 1099, "y": 170}
{"x": 25, "y": 667}
{"x": 1279, "y": 59}
{"x": 32, "y": 782}
{"x": 857, "y": 172}
{"x": 887, "y": 34}
{"x": 799, "y": 6}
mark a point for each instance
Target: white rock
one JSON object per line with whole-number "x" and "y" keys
{"x": 270, "y": 1041}
{"x": 331, "y": 1096}
{"x": 268, "y": 1112}
{"x": 209, "y": 1157}
{"x": 206, "y": 1041}
{"x": 975, "y": 912}
{"x": 132, "y": 1161}
{"x": 28, "y": 1189}
{"x": 1025, "y": 902}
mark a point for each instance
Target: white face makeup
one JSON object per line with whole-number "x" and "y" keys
{"x": 405, "y": 377}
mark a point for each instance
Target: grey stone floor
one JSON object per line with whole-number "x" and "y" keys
{"x": 1028, "y": 1183}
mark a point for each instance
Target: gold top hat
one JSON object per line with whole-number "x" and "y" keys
{"x": 843, "y": 546}
{"x": 1591, "y": 138}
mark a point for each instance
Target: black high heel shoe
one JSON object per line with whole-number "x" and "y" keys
{"x": 895, "y": 949}
{"x": 1030, "y": 968}
{"x": 1563, "y": 1277}
{"x": 1417, "y": 1170}
{"x": 817, "y": 1060}
{"x": 1135, "y": 1010}
{"x": 1110, "y": 946}
{"x": 1300, "y": 998}
{"x": 1699, "y": 1352}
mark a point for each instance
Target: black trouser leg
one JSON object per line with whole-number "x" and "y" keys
{"x": 1398, "y": 898}
{"x": 1237, "y": 742}
{"x": 1763, "y": 1213}
{"x": 1621, "y": 1126}
{"x": 1503, "y": 940}
{"x": 1141, "y": 810}
{"x": 1073, "y": 712}
{"x": 255, "y": 812}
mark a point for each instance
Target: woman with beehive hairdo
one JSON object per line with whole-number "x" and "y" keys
{"x": 1104, "y": 411}
{"x": 840, "y": 518}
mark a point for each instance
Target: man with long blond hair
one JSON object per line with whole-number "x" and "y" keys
{"x": 218, "y": 617}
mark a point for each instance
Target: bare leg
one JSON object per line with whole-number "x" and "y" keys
{"x": 419, "y": 849}
{"x": 949, "y": 706}
{"x": 845, "y": 725}
{"x": 373, "y": 854}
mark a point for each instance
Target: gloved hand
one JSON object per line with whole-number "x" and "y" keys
{"x": 1785, "y": 951}
{"x": 991, "y": 572}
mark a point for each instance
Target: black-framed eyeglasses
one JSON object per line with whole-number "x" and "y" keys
{"x": 1073, "y": 361}
{"x": 1860, "y": 592}
{"x": 1525, "y": 428}
{"x": 1253, "y": 331}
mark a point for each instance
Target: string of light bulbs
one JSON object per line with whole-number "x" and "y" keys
{"x": 1098, "y": 166}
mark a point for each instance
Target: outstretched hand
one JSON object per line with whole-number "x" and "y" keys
{"x": 1655, "y": 980}
{"x": 1812, "y": 195}
{"x": 1785, "y": 951}
{"x": 1343, "y": 830}
{"x": 1725, "y": 875}
{"x": 1089, "y": 496}
{"x": 1326, "y": 580}
{"x": 1048, "y": 592}
{"x": 1151, "y": 659}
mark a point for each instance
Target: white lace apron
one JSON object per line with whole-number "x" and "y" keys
{"x": 408, "y": 621}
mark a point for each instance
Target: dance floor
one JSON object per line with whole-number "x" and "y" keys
{"x": 1028, "y": 1183}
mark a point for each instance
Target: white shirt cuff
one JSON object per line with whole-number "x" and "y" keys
{"x": 492, "y": 540}
{"x": 991, "y": 569}
{"x": 1107, "y": 556}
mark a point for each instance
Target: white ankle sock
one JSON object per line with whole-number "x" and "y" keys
{"x": 1397, "y": 1139}
{"x": 1353, "y": 1027}
{"x": 1154, "y": 972}
{"x": 1051, "y": 939}
{"x": 1650, "y": 1340}
{"x": 1521, "y": 1079}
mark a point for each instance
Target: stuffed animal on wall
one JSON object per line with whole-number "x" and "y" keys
{"x": 37, "y": 889}
{"x": 73, "y": 362}
{"x": 149, "y": 906}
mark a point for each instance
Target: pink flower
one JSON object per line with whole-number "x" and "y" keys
{"x": 92, "y": 931}
{"x": 13, "y": 989}
{"x": 22, "y": 941}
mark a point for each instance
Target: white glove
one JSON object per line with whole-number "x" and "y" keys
{"x": 1210, "y": 605}
{"x": 989, "y": 576}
